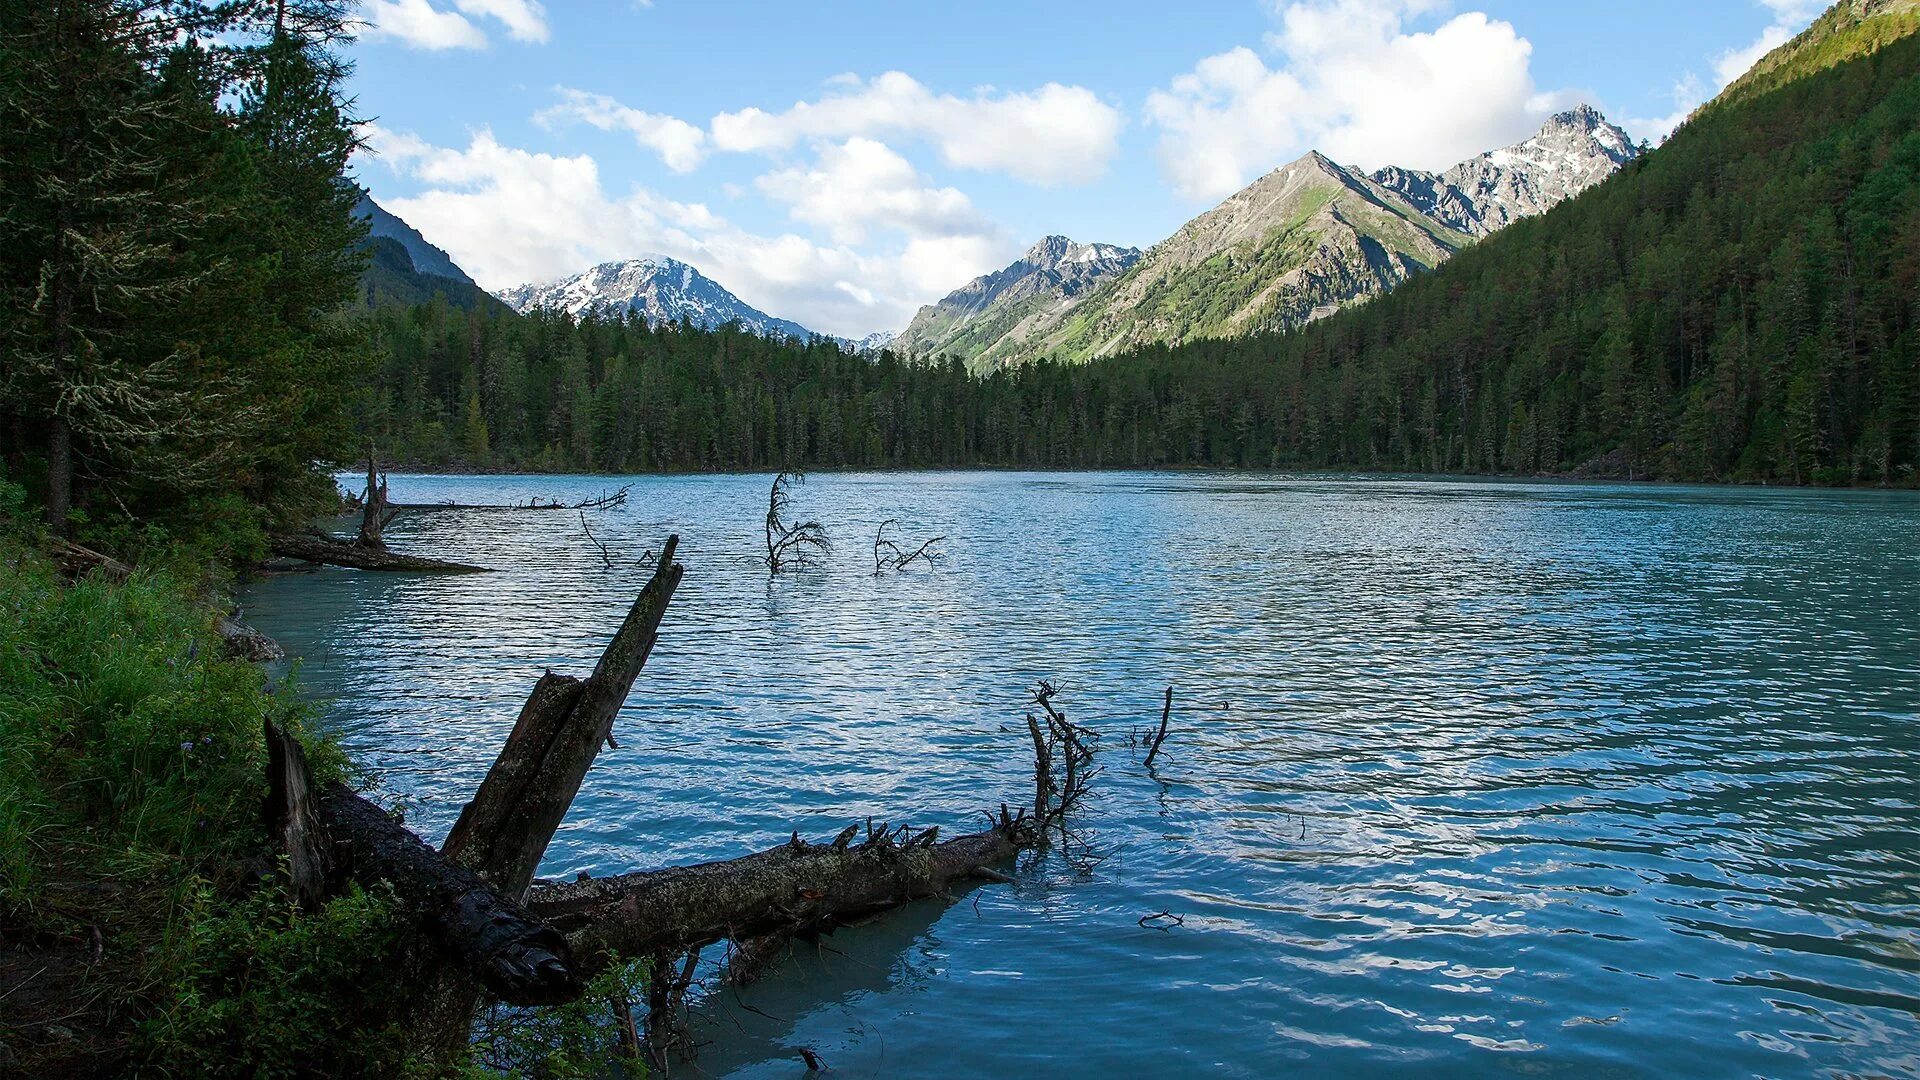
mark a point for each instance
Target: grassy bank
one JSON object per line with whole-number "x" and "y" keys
{"x": 142, "y": 929}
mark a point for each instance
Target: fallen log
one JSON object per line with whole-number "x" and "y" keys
{"x": 518, "y": 958}
{"x": 333, "y": 835}
{"x": 322, "y": 549}
{"x": 607, "y": 501}
{"x": 76, "y": 561}
{"x": 796, "y": 888}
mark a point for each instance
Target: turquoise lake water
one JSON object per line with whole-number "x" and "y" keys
{"x": 1465, "y": 777}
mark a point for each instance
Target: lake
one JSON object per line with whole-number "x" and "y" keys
{"x": 1465, "y": 777}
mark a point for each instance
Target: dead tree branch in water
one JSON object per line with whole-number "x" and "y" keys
{"x": 500, "y": 935}
{"x": 606, "y": 557}
{"x": 324, "y": 549}
{"x": 374, "y": 513}
{"x": 890, "y": 555}
{"x": 1063, "y": 768}
{"x": 1154, "y": 741}
{"x": 791, "y": 545}
{"x": 368, "y": 550}
{"x": 607, "y": 501}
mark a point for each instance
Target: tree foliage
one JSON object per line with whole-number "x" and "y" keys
{"x": 178, "y": 246}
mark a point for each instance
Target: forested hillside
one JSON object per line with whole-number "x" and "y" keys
{"x": 1738, "y": 305}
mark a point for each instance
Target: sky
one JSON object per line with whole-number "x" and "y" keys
{"x": 841, "y": 162}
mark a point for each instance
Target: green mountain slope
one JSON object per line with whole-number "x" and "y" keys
{"x": 985, "y": 321}
{"x": 1284, "y": 250}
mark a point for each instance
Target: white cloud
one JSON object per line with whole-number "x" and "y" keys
{"x": 509, "y": 215}
{"x": 1054, "y": 135}
{"x": 1354, "y": 82}
{"x": 421, "y": 25}
{"x": 862, "y": 183}
{"x": 680, "y": 145}
{"x": 525, "y": 20}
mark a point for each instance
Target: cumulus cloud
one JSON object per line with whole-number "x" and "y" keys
{"x": 421, "y": 25}
{"x": 1053, "y": 135}
{"x": 861, "y": 184}
{"x": 681, "y": 146}
{"x": 1351, "y": 79}
{"x": 509, "y": 215}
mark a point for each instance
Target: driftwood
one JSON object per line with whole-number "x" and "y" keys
{"x": 607, "y": 501}
{"x": 797, "y": 887}
{"x": 293, "y": 818}
{"x": 515, "y": 956}
{"x": 76, "y": 561}
{"x": 322, "y": 549}
{"x": 374, "y": 515}
{"x": 890, "y": 554}
{"x": 505, "y": 830}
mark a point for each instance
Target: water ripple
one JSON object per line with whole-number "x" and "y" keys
{"x": 1465, "y": 777}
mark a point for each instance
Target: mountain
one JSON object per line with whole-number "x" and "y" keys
{"x": 1290, "y": 247}
{"x": 656, "y": 287}
{"x": 403, "y": 268}
{"x": 989, "y": 316}
{"x": 1294, "y": 246}
{"x": 1572, "y": 152}
{"x": 874, "y": 342}
{"x": 1736, "y": 305}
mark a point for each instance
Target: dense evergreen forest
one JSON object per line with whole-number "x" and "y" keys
{"x": 179, "y": 254}
{"x": 1738, "y": 305}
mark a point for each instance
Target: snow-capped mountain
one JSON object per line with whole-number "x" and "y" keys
{"x": 656, "y": 287}
{"x": 1575, "y": 150}
{"x": 988, "y": 316}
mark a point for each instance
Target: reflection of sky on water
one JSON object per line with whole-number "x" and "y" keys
{"x": 1465, "y": 776}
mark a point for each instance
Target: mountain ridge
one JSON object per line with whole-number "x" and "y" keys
{"x": 1293, "y": 246}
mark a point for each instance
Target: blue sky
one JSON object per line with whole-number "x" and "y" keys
{"x": 841, "y": 163}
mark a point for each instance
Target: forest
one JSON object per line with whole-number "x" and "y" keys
{"x": 1739, "y": 305}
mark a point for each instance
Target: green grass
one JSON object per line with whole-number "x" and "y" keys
{"x": 143, "y": 927}
{"x": 132, "y": 772}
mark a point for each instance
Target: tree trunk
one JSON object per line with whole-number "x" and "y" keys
{"x": 797, "y": 887}
{"x": 373, "y": 513}
{"x": 516, "y": 957}
{"x": 505, "y": 830}
{"x": 59, "y": 431}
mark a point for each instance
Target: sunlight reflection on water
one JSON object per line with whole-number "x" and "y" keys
{"x": 1465, "y": 776}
